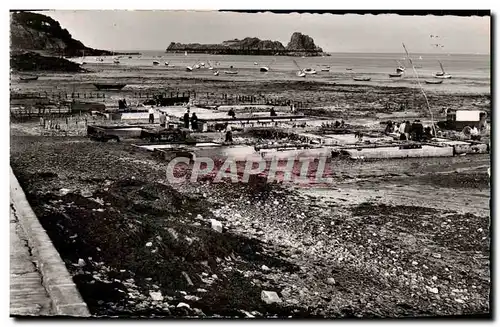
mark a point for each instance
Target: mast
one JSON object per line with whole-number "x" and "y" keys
{"x": 440, "y": 64}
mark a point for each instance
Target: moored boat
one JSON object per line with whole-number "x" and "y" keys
{"x": 442, "y": 74}
{"x": 309, "y": 71}
{"x": 28, "y": 78}
{"x": 264, "y": 69}
{"x": 362, "y": 79}
{"x": 156, "y": 63}
{"x": 109, "y": 86}
{"x": 230, "y": 72}
{"x": 395, "y": 74}
{"x": 433, "y": 82}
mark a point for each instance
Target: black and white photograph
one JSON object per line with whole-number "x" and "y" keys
{"x": 250, "y": 164}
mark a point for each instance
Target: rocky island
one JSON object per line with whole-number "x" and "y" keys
{"x": 299, "y": 45}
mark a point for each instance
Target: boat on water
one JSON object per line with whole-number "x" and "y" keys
{"x": 348, "y": 69}
{"x": 116, "y": 61}
{"x": 434, "y": 82}
{"x": 445, "y": 76}
{"x": 189, "y": 68}
{"x": 109, "y": 86}
{"x": 265, "y": 69}
{"x": 28, "y": 78}
{"x": 309, "y": 71}
{"x": 395, "y": 74}
{"x": 300, "y": 72}
{"x": 216, "y": 73}
{"x": 362, "y": 79}
{"x": 129, "y": 57}
{"x": 442, "y": 74}
{"x": 156, "y": 63}
{"x": 230, "y": 72}
{"x": 166, "y": 63}
{"x": 255, "y": 63}
{"x": 197, "y": 66}
{"x": 210, "y": 68}
{"x": 325, "y": 69}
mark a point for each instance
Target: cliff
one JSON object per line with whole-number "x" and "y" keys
{"x": 299, "y": 45}
{"x": 36, "y": 32}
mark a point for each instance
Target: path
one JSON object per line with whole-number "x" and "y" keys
{"x": 27, "y": 294}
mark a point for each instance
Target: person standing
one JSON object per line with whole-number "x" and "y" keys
{"x": 186, "y": 119}
{"x": 194, "y": 122}
{"x": 401, "y": 131}
{"x": 407, "y": 129}
{"x": 151, "y": 115}
{"x": 163, "y": 119}
{"x": 229, "y": 133}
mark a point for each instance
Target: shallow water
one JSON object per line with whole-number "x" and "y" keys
{"x": 471, "y": 73}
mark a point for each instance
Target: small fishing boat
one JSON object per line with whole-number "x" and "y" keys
{"x": 116, "y": 61}
{"x": 362, "y": 79}
{"x": 265, "y": 69}
{"x": 28, "y": 78}
{"x": 396, "y": 75}
{"x": 445, "y": 76}
{"x": 210, "y": 68}
{"x": 166, "y": 63}
{"x": 348, "y": 69}
{"x": 434, "y": 82}
{"x": 129, "y": 57}
{"x": 156, "y": 63}
{"x": 442, "y": 74}
{"x": 309, "y": 71}
{"x": 255, "y": 63}
{"x": 109, "y": 86}
{"x": 325, "y": 69}
{"x": 300, "y": 72}
{"x": 230, "y": 72}
{"x": 189, "y": 68}
{"x": 197, "y": 66}
{"x": 216, "y": 73}
{"x": 202, "y": 64}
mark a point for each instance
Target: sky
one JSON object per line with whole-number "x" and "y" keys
{"x": 154, "y": 30}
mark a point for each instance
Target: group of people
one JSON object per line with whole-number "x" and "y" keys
{"x": 164, "y": 119}
{"x": 337, "y": 124}
{"x": 122, "y": 104}
{"x": 409, "y": 131}
{"x": 193, "y": 120}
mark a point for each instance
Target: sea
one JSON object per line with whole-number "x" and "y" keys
{"x": 471, "y": 73}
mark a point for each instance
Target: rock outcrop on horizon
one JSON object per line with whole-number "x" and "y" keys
{"x": 299, "y": 45}
{"x": 302, "y": 43}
